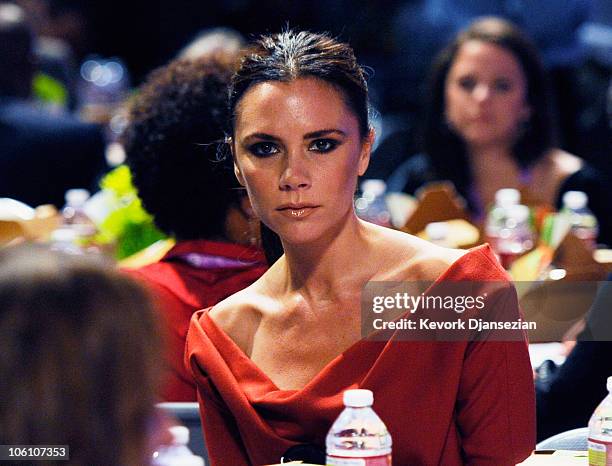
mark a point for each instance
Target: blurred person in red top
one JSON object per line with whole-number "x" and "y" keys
{"x": 172, "y": 143}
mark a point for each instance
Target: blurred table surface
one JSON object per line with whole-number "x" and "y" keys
{"x": 558, "y": 458}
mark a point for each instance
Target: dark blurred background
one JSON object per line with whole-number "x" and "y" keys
{"x": 396, "y": 38}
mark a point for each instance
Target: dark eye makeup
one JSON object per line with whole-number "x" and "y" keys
{"x": 263, "y": 149}
{"x": 323, "y": 145}
{"x": 266, "y": 148}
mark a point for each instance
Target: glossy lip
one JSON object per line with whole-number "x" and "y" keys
{"x": 297, "y": 211}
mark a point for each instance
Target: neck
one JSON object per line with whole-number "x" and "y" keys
{"x": 492, "y": 161}
{"x": 490, "y": 154}
{"x": 328, "y": 267}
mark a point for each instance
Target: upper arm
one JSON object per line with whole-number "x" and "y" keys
{"x": 496, "y": 398}
{"x": 495, "y": 404}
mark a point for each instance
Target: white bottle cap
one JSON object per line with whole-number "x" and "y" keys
{"x": 508, "y": 196}
{"x": 575, "y": 200}
{"x": 374, "y": 187}
{"x": 180, "y": 434}
{"x": 519, "y": 212}
{"x": 64, "y": 235}
{"x": 76, "y": 197}
{"x": 609, "y": 384}
{"x": 358, "y": 398}
{"x": 436, "y": 231}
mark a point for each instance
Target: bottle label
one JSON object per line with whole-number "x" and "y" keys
{"x": 383, "y": 460}
{"x": 600, "y": 453}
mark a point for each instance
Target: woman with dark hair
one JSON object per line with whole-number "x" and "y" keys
{"x": 489, "y": 126}
{"x": 80, "y": 358}
{"x": 272, "y": 361}
{"x": 176, "y": 128}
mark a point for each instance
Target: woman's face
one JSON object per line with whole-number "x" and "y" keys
{"x": 486, "y": 95}
{"x": 298, "y": 151}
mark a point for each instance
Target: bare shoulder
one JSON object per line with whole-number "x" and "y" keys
{"x": 239, "y": 315}
{"x": 412, "y": 258}
{"x": 434, "y": 261}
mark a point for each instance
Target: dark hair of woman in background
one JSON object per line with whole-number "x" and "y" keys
{"x": 80, "y": 358}
{"x": 271, "y": 362}
{"x": 489, "y": 124}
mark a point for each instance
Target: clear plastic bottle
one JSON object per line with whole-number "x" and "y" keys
{"x": 600, "y": 432}
{"x": 178, "y": 453}
{"x": 582, "y": 221}
{"x": 74, "y": 219}
{"x": 358, "y": 437}
{"x": 497, "y": 216}
{"x": 73, "y": 213}
{"x": 371, "y": 206}
{"x": 516, "y": 237}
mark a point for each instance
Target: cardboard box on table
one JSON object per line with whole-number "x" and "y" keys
{"x": 439, "y": 202}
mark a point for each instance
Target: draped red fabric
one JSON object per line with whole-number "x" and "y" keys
{"x": 182, "y": 288}
{"x": 444, "y": 403}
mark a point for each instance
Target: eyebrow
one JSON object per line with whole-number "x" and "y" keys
{"x": 324, "y": 132}
{"x": 311, "y": 135}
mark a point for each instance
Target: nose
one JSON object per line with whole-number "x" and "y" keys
{"x": 482, "y": 92}
{"x": 295, "y": 174}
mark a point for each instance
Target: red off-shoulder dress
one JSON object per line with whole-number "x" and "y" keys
{"x": 444, "y": 403}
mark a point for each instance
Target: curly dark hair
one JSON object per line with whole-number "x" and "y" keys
{"x": 177, "y": 124}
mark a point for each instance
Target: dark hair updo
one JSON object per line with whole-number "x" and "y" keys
{"x": 292, "y": 55}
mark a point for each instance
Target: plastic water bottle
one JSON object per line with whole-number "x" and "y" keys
{"x": 516, "y": 236}
{"x": 358, "y": 437}
{"x": 76, "y": 231}
{"x": 77, "y": 221}
{"x": 73, "y": 213}
{"x": 582, "y": 221}
{"x": 600, "y": 432}
{"x": 498, "y": 215}
{"x": 371, "y": 206}
{"x": 178, "y": 453}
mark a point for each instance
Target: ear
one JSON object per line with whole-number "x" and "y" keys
{"x": 238, "y": 174}
{"x": 366, "y": 151}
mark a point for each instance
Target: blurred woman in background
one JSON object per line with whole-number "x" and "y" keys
{"x": 489, "y": 126}
{"x": 176, "y": 127}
